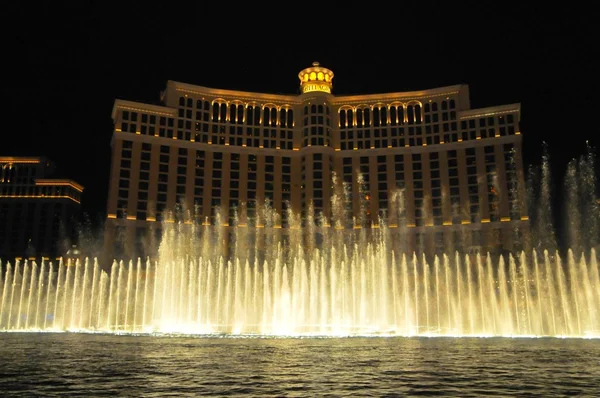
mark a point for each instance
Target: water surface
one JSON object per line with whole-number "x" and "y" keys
{"x": 47, "y": 364}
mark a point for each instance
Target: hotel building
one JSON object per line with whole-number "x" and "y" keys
{"x": 422, "y": 162}
{"x": 35, "y": 211}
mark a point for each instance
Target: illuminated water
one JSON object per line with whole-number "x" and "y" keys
{"x": 337, "y": 295}
{"x": 47, "y": 364}
{"x": 324, "y": 280}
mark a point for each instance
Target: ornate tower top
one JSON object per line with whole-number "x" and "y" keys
{"x": 315, "y": 78}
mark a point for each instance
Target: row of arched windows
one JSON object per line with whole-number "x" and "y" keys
{"x": 252, "y": 115}
{"x": 237, "y": 112}
{"x": 272, "y": 115}
{"x": 383, "y": 115}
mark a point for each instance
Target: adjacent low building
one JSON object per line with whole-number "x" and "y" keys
{"x": 36, "y": 211}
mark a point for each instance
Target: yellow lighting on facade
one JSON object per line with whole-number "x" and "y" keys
{"x": 55, "y": 183}
{"x": 19, "y": 160}
{"x": 307, "y": 88}
{"x": 111, "y": 216}
{"x": 315, "y": 78}
{"x": 505, "y": 219}
{"x": 40, "y": 197}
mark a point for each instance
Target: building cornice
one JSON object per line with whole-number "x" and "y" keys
{"x": 19, "y": 159}
{"x": 490, "y": 111}
{"x": 399, "y": 96}
{"x": 232, "y": 94}
{"x": 316, "y": 148}
{"x": 142, "y": 107}
{"x": 59, "y": 182}
{"x": 297, "y": 99}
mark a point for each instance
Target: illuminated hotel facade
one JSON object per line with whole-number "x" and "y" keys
{"x": 421, "y": 162}
{"x": 36, "y": 212}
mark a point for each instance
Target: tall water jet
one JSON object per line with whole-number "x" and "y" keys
{"x": 573, "y": 221}
{"x": 589, "y": 198}
{"x": 540, "y": 199}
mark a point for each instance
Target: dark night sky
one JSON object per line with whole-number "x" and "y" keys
{"x": 65, "y": 65}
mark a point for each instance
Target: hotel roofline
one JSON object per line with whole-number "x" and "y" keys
{"x": 21, "y": 159}
{"x": 367, "y": 99}
{"x": 168, "y": 111}
{"x": 249, "y": 95}
{"x": 142, "y": 106}
{"x": 42, "y": 181}
{"x": 491, "y": 111}
{"x": 59, "y": 182}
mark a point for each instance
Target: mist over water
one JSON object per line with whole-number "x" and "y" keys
{"x": 331, "y": 281}
{"x": 575, "y": 223}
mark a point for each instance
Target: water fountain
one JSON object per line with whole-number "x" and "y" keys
{"x": 346, "y": 282}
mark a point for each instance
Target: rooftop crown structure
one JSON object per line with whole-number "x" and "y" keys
{"x": 316, "y": 78}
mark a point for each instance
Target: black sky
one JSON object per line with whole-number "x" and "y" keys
{"x": 66, "y": 63}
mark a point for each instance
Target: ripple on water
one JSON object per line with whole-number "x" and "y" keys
{"x": 98, "y": 365}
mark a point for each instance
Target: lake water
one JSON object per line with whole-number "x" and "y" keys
{"x": 65, "y": 364}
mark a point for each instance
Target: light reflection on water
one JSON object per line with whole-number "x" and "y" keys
{"x": 50, "y": 364}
